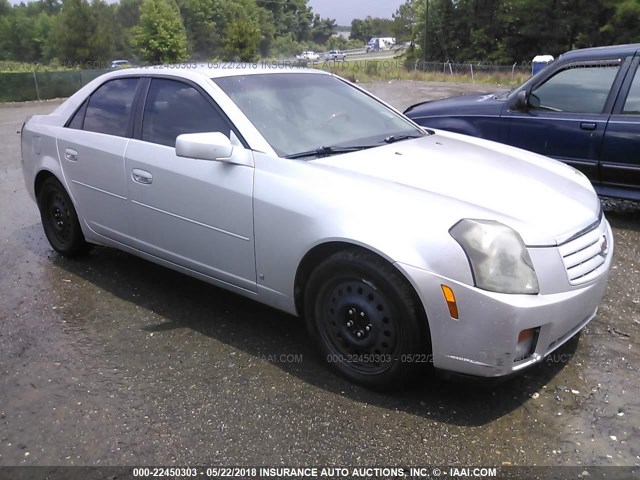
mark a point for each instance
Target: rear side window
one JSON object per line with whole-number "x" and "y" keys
{"x": 580, "y": 89}
{"x": 632, "y": 104}
{"x": 110, "y": 106}
{"x": 173, "y": 108}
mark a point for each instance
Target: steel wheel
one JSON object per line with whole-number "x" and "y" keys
{"x": 366, "y": 319}
{"x": 357, "y": 323}
{"x": 60, "y": 220}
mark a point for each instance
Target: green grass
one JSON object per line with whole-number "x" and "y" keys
{"x": 394, "y": 69}
{"x": 9, "y": 66}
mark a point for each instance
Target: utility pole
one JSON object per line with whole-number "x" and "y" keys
{"x": 426, "y": 26}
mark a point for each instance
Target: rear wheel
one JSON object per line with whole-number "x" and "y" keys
{"x": 59, "y": 219}
{"x": 366, "y": 319}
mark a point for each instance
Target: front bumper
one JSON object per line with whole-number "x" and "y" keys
{"x": 482, "y": 342}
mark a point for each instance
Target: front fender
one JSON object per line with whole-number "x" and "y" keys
{"x": 298, "y": 208}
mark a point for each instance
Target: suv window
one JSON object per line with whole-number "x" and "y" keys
{"x": 632, "y": 104}
{"x": 173, "y": 108}
{"x": 579, "y": 89}
{"x": 109, "y": 107}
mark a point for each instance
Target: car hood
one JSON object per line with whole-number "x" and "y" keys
{"x": 486, "y": 102}
{"x": 544, "y": 200}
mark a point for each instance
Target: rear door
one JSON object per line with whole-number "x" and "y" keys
{"x": 91, "y": 149}
{"x": 620, "y": 160}
{"x": 568, "y": 114}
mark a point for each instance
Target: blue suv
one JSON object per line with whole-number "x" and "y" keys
{"x": 583, "y": 109}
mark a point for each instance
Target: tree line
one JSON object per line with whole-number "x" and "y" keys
{"x": 81, "y": 32}
{"x": 508, "y": 31}
{"x": 498, "y": 31}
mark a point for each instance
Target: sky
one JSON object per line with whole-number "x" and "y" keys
{"x": 346, "y": 10}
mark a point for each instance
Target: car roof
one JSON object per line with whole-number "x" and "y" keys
{"x": 218, "y": 69}
{"x": 600, "y": 52}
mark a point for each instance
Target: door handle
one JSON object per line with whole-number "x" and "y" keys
{"x": 71, "y": 155}
{"x": 141, "y": 176}
{"x": 588, "y": 125}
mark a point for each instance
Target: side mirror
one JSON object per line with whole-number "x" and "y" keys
{"x": 522, "y": 100}
{"x": 204, "y": 146}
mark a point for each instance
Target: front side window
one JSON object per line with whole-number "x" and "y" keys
{"x": 632, "y": 104}
{"x": 579, "y": 89}
{"x": 173, "y": 108}
{"x": 109, "y": 107}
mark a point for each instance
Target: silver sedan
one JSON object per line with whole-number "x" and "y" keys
{"x": 401, "y": 247}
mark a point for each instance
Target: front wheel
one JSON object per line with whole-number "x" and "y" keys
{"x": 59, "y": 219}
{"x": 366, "y": 319}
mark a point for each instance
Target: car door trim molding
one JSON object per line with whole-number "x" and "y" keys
{"x": 623, "y": 122}
{"x": 98, "y": 189}
{"x": 578, "y": 119}
{"x": 175, "y": 215}
{"x": 622, "y": 166}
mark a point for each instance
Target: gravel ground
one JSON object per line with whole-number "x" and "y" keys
{"x": 112, "y": 360}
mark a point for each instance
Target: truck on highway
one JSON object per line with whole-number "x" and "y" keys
{"x": 377, "y": 44}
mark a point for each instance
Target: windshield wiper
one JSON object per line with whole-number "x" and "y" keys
{"x": 325, "y": 151}
{"x": 397, "y": 138}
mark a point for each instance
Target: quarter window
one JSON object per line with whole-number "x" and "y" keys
{"x": 78, "y": 118}
{"x": 632, "y": 104}
{"x": 109, "y": 107}
{"x": 173, "y": 108}
{"x": 580, "y": 89}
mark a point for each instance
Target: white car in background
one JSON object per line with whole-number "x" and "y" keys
{"x": 120, "y": 64}
{"x": 399, "y": 246}
{"x": 335, "y": 55}
{"x": 308, "y": 56}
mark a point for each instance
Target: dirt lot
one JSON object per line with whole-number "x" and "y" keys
{"x": 112, "y": 360}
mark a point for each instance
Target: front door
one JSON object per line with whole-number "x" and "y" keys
{"x": 567, "y": 116}
{"x": 194, "y": 213}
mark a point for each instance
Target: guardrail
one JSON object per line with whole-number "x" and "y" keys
{"x": 357, "y": 52}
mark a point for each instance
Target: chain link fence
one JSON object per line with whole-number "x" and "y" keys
{"x": 470, "y": 69}
{"x": 26, "y": 86}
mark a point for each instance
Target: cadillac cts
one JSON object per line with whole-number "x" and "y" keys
{"x": 299, "y": 190}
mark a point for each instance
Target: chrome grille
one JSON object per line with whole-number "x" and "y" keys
{"x": 584, "y": 257}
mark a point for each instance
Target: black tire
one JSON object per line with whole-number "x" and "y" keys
{"x": 60, "y": 221}
{"x": 366, "y": 320}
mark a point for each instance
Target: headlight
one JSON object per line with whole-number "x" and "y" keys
{"x": 498, "y": 257}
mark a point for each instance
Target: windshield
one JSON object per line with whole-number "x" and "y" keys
{"x": 307, "y": 112}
